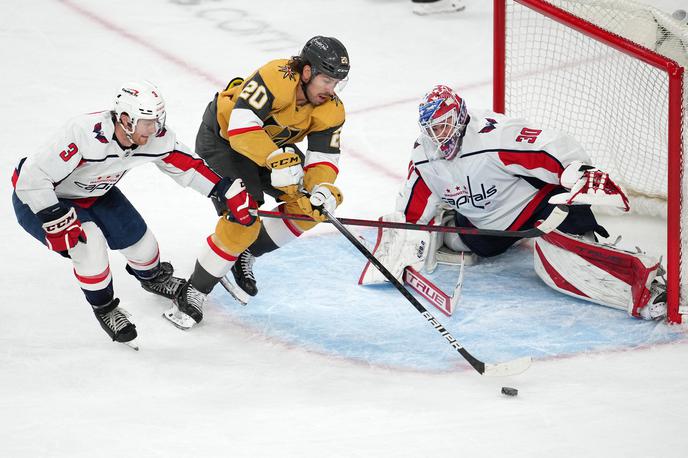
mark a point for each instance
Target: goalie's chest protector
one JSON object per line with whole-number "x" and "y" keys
{"x": 479, "y": 183}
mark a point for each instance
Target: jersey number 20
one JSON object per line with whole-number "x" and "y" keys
{"x": 255, "y": 94}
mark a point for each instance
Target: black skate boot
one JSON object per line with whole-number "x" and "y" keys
{"x": 243, "y": 273}
{"x": 115, "y": 321}
{"x": 187, "y": 310}
{"x": 163, "y": 284}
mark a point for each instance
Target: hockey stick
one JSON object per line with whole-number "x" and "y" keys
{"x": 513, "y": 367}
{"x": 556, "y": 218}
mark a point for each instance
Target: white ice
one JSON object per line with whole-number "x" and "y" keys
{"x": 315, "y": 365}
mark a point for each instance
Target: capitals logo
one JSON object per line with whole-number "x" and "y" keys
{"x": 478, "y": 198}
{"x": 489, "y": 126}
{"x": 98, "y": 130}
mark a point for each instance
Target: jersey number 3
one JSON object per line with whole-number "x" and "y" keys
{"x": 528, "y": 135}
{"x": 67, "y": 154}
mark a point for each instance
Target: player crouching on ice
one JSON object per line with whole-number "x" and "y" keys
{"x": 65, "y": 196}
{"x": 500, "y": 173}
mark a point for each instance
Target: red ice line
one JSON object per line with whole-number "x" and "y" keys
{"x": 366, "y": 159}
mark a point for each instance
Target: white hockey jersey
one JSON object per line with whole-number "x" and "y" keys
{"x": 83, "y": 161}
{"x": 505, "y": 168}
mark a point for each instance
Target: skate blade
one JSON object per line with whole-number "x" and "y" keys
{"x": 132, "y": 344}
{"x": 237, "y": 293}
{"x": 179, "y": 318}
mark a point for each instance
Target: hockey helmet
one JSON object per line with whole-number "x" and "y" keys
{"x": 326, "y": 55}
{"x": 140, "y": 100}
{"x": 443, "y": 117}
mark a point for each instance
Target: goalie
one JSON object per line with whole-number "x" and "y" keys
{"x": 501, "y": 173}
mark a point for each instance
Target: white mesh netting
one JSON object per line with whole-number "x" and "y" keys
{"x": 614, "y": 104}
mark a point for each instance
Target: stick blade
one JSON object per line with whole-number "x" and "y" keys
{"x": 513, "y": 367}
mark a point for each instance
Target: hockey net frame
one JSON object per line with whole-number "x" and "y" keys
{"x": 672, "y": 71}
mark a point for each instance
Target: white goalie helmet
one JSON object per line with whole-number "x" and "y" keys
{"x": 140, "y": 100}
{"x": 443, "y": 118}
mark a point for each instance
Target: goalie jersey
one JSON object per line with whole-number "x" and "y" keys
{"x": 505, "y": 169}
{"x": 84, "y": 161}
{"x": 260, "y": 115}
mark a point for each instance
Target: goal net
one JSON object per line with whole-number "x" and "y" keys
{"x": 610, "y": 73}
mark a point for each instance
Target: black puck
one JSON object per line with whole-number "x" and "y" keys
{"x": 508, "y": 391}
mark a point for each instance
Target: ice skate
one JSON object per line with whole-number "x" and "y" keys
{"x": 115, "y": 321}
{"x": 656, "y": 308}
{"x": 440, "y": 6}
{"x": 163, "y": 284}
{"x": 244, "y": 285}
{"x": 187, "y": 310}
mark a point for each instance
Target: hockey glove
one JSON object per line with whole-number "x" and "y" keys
{"x": 286, "y": 170}
{"x": 62, "y": 227}
{"x": 324, "y": 195}
{"x": 231, "y": 199}
{"x": 589, "y": 185}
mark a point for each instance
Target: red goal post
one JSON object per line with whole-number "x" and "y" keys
{"x": 610, "y": 73}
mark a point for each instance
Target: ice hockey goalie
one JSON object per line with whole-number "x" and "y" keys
{"x": 506, "y": 174}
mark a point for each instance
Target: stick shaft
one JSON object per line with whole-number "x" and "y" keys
{"x": 527, "y": 233}
{"x": 473, "y": 361}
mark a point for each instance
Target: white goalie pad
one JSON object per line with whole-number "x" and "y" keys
{"x": 395, "y": 249}
{"x": 595, "y": 272}
{"x": 447, "y": 247}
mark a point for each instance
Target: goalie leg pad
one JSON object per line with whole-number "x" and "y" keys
{"x": 595, "y": 272}
{"x": 395, "y": 249}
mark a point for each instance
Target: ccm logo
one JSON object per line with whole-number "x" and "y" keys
{"x": 60, "y": 224}
{"x": 285, "y": 162}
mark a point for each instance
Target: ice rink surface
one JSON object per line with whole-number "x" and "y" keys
{"x": 315, "y": 365}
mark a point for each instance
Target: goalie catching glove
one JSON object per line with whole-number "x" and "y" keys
{"x": 589, "y": 185}
{"x": 286, "y": 170}
{"x": 231, "y": 199}
{"x": 323, "y": 195}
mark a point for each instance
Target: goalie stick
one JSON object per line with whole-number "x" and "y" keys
{"x": 556, "y": 217}
{"x": 431, "y": 292}
{"x": 512, "y": 367}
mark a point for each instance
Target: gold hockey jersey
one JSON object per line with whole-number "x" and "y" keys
{"x": 261, "y": 115}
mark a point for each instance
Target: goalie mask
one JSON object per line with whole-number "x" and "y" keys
{"x": 140, "y": 100}
{"x": 443, "y": 117}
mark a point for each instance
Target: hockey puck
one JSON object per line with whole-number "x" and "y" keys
{"x": 508, "y": 391}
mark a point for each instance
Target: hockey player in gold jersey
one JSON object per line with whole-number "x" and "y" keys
{"x": 250, "y": 131}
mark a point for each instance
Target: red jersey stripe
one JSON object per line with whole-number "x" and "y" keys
{"x": 185, "y": 162}
{"x": 417, "y": 201}
{"x": 243, "y": 130}
{"x": 531, "y": 160}
{"x": 527, "y": 212}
